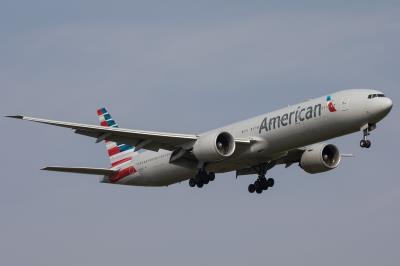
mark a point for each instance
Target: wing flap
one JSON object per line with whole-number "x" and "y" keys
{"x": 81, "y": 170}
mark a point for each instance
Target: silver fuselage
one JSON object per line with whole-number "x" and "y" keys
{"x": 274, "y": 133}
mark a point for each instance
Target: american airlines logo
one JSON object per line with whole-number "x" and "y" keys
{"x": 296, "y": 116}
{"x": 330, "y": 104}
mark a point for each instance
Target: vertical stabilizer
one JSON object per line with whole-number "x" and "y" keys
{"x": 119, "y": 154}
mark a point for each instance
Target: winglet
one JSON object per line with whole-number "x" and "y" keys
{"x": 15, "y": 116}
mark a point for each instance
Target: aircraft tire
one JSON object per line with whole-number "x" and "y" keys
{"x": 252, "y": 188}
{"x": 271, "y": 182}
{"x": 368, "y": 144}
{"x": 192, "y": 182}
{"x": 211, "y": 176}
{"x": 363, "y": 143}
{"x": 264, "y": 184}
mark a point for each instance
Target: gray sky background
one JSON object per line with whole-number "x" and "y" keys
{"x": 189, "y": 66}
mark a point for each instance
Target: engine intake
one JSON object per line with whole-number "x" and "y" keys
{"x": 214, "y": 147}
{"x": 320, "y": 158}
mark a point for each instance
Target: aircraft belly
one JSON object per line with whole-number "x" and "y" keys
{"x": 161, "y": 175}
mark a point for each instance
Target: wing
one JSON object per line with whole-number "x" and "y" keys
{"x": 149, "y": 140}
{"x": 140, "y": 139}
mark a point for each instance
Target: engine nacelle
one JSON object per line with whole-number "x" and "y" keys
{"x": 214, "y": 147}
{"x": 320, "y": 158}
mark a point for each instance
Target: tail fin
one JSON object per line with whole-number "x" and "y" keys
{"x": 119, "y": 154}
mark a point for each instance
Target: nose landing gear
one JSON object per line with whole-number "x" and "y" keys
{"x": 365, "y": 142}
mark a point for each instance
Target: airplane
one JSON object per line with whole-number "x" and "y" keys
{"x": 291, "y": 135}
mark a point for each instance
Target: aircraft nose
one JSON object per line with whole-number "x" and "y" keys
{"x": 379, "y": 108}
{"x": 387, "y": 105}
{"x": 384, "y": 106}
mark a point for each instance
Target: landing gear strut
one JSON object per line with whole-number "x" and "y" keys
{"x": 201, "y": 179}
{"x": 365, "y": 142}
{"x": 262, "y": 183}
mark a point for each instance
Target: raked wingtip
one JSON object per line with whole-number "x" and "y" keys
{"x": 15, "y": 116}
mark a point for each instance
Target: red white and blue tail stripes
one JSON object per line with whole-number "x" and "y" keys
{"x": 120, "y": 154}
{"x": 105, "y": 118}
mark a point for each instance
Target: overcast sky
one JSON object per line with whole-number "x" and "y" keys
{"x": 190, "y": 66}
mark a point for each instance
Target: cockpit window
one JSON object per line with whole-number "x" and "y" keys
{"x": 371, "y": 96}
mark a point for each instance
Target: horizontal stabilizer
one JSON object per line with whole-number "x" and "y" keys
{"x": 82, "y": 170}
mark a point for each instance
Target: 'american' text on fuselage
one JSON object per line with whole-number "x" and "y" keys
{"x": 296, "y": 116}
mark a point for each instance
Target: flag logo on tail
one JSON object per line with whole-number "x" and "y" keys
{"x": 120, "y": 154}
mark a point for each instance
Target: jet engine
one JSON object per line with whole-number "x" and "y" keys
{"x": 214, "y": 147}
{"x": 320, "y": 158}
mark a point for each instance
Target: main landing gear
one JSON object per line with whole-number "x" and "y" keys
{"x": 262, "y": 183}
{"x": 365, "y": 142}
{"x": 201, "y": 179}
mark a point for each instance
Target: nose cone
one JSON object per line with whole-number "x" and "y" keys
{"x": 386, "y": 105}
{"x": 380, "y": 108}
{"x": 390, "y": 104}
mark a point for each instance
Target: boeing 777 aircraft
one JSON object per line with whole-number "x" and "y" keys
{"x": 250, "y": 147}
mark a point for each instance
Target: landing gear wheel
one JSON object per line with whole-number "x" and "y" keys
{"x": 252, "y": 188}
{"x": 368, "y": 144}
{"x": 264, "y": 184}
{"x": 192, "y": 182}
{"x": 204, "y": 178}
{"x": 363, "y": 143}
{"x": 271, "y": 182}
{"x": 211, "y": 176}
